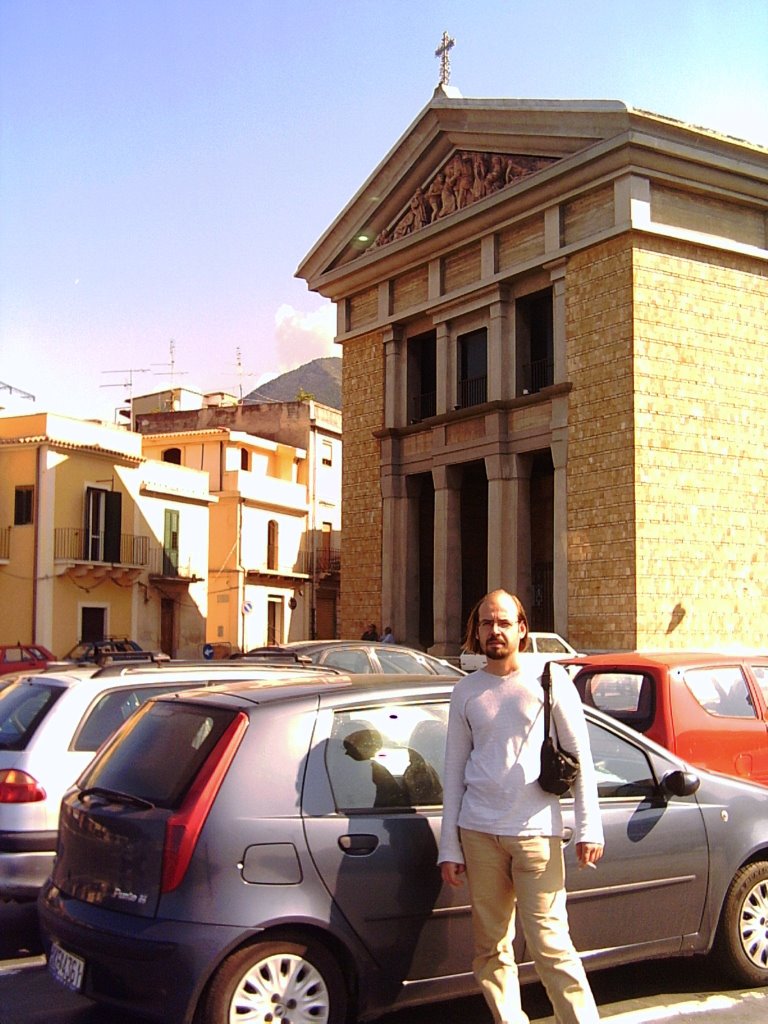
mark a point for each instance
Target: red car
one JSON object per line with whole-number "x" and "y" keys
{"x": 710, "y": 709}
{"x": 19, "y": 657}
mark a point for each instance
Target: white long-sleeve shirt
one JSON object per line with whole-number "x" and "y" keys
{"x": 493, "y": 759}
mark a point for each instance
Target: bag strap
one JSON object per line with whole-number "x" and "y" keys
{"x": 546, "y": 682}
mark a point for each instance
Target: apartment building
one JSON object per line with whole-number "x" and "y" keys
{"x": 274, "y": 551}
{"x": 96, "y": 540}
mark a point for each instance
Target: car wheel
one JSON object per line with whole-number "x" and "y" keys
{"x": 741, "y": 944}
{"x": 281, "y": 982}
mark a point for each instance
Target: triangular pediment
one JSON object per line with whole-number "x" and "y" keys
{"x": 456, "y": 154}
{"x": 465, "y": 178}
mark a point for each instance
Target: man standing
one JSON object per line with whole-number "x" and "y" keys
{"x": 501, "y": 829}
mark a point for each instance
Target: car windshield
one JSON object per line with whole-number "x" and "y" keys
{"x": 23, "y": 706}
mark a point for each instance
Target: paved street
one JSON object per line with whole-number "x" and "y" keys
{"x": 686, "y": 991}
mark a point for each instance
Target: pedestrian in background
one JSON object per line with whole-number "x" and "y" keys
{"x": 501, "y": 829}
{"x": 388, "y": 637}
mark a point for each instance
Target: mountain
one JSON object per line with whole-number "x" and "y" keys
{"x": 320, "y": 378}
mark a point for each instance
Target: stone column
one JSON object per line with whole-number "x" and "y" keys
{"x": 559, "y": 448}
{"x": 445, "y": 369}
{"x": 508, "y": 529}
{"x": 557, "y": 276}
{"x": 447, "y": 578}
{"x": 501, "y": 378}
{"x": 396, "y": 541}
{"x": 395, "y": 390}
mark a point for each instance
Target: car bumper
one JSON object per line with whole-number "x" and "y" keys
{"x": 26, "y": 859}
{"x": 157, "y": 970}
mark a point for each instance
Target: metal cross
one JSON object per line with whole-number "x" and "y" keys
{"x": 442, "y": 52}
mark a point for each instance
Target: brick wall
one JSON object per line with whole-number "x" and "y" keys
{"x": 600, "y": 469}
{"x": 668, "y": 430}
{"x": 701, "y": 364}
{"x": 363, "y": 412}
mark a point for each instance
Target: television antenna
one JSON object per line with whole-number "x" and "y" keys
{"x": 128, "y": 383}
{"x": 171, "y": 365}
{"x": 241, "y": 373}
{"x": 16, "y": 391}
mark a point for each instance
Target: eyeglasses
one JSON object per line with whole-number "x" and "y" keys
{"x": 503, "y": 624}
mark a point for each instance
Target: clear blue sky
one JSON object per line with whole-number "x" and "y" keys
{"x": 166, "y": 164}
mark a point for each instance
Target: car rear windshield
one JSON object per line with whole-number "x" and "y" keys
{"x": 23, "y": 706}
{"x": 158, "y": 756}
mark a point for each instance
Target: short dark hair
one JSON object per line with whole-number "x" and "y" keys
{"x": 471, "y": 643}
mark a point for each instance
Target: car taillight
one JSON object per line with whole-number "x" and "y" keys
{"x": 17, "y": 787}
{"x": 183, "y": 828}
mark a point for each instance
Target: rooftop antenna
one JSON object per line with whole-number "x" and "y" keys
{"x": 172, "y": 364}
{"x": 16, "y": 391}
{"x": 125, "y": 383}
{"x": 120, "y": 410}
{"x": 241, "y": 372}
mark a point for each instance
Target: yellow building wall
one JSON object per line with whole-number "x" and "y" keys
{"x": 601, "y": 447}
{"x": 18, "y": 469}
{"x": 224, "y": 594}
{"x": 667, "y": 511}
{"x": 701, "y": 363}
{"x": 363, "y": 391}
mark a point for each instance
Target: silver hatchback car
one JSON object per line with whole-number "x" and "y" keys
{"x": 268, "y": 852}
{"x": 51, "y": 724}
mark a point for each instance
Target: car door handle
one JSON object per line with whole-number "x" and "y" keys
{"x": 358, "y": 845}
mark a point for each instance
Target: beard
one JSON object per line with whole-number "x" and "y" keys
{"x": 496, "y": 651}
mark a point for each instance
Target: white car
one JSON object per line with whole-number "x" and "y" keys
{"x": 545, "y": 646}
{"x": 51, "y": 725}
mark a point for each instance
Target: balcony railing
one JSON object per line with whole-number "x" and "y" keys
{"x": 537, "y": 375}
{"x": 328, "y": 560}
{"x": 423, "y": 406}
{"x": 5, "y": 543}
{"x": 473, "y": 391}
{"x": 76, "y": 544}
{"x": 325, "y": 561}
{"x": 163, "y": 562}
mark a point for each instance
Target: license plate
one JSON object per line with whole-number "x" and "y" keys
{"x": 66, "y": 968}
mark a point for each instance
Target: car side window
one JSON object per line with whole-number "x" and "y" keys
{"x": 760, "y": 672}
{"x": 622, "y": 769}
{"x": 626, "y": 696}
{"x": 353, "y": 660}
{"x": 549, "y": 645}
{"x": 721, "y": 691}
{"x": 109, "y": 712}
{"x": 401, "y": 661}
{"x": 388, "y": 757}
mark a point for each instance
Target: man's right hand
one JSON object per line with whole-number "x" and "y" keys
{"x": 452, "y": 873}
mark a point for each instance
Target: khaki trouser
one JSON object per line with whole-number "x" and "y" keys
{"x": 527, "y": 874}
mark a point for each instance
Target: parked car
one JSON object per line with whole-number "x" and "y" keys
{"x": 711, "y": 709}
{"x": 549, "y": 646}
{"x": 20, "y": 657}
{"x": 50, "y": 727}
{"x": 93, "y": 651}
{"x": 268, "y": 852}
{"x": 364, "y": 656}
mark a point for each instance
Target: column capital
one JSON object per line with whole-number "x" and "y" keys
{"x": 446, "y": 478}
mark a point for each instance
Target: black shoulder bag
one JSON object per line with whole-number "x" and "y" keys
{"x": 559, "y": 768}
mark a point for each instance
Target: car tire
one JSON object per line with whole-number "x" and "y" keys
{"x": 741, "y": 943}
{"x": 295, "y": 982}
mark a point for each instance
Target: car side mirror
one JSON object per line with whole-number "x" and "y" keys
{"x": 680, "y": 783}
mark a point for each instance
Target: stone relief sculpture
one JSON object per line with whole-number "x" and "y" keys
{"x": 464, "y": 179}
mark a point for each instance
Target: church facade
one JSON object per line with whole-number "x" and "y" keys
{"x": 554, "y": 320}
